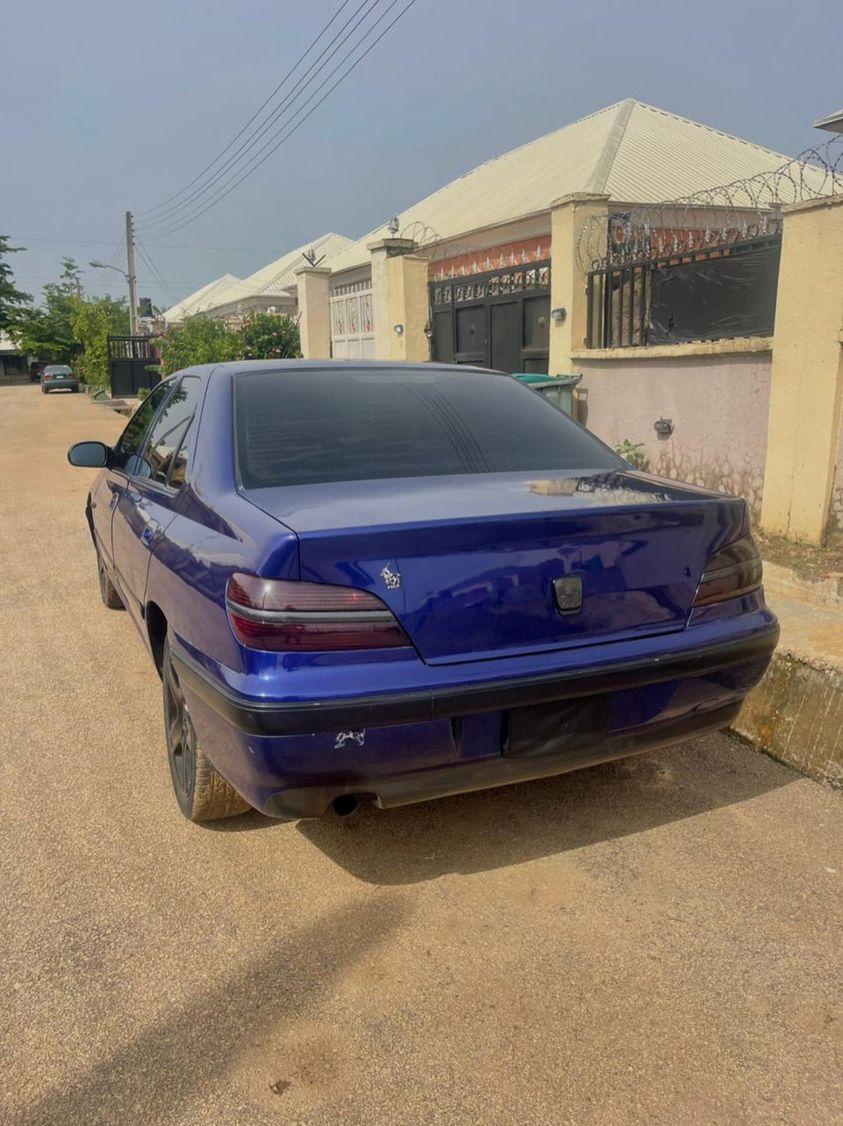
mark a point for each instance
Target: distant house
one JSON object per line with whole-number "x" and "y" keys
{"x": 13, "y": 362}
{"x": 200, "y": 301}
{"x": 270, "y": 289}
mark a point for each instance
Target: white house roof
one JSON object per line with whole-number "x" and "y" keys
{"x": 633, "y": 152}
{"x": 276, "y": 278}
{"x": 833, "y": 123}
{"x": 199, "y": 301}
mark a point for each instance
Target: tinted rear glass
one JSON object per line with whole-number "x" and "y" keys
{"x": 58, "y": 369}
{"x": 296, "y": 428}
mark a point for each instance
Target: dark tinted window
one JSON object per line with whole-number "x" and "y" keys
{"x": 58, "y": 369}
{"x": 164, "y": 459}
{"x": 129, "y": 442}
{"x": 298, "y": 427}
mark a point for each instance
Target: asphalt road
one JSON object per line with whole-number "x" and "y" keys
{"x": 656, "y": 941}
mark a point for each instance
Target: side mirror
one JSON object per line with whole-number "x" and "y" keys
{"x": 89, "y": 455}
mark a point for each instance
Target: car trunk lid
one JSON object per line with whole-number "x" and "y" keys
{"x": 468, "y": 563}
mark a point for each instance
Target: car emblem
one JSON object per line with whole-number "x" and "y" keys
{"x": 391, "y": 578}
{"x": 567, "y": 593}
{"x": 343, "y": 737}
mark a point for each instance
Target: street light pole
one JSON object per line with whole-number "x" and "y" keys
{"x": 133, "y": 282}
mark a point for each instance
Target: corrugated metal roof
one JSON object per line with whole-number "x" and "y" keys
{"x": 634, "y": 152}
{"x": 275, "y": 278}
{"x": 279, "y": 275}
{"x": 197, "y": 302}
{"x": 833, "y": 123}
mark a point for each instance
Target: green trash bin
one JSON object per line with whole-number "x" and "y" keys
{"x": 559, "y": 389}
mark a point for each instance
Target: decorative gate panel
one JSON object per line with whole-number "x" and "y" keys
{"x": 499, "y": 319}
{"x": 352, "y": 326}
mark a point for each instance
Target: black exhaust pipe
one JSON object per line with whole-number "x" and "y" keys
{"x": 345, "y": 805}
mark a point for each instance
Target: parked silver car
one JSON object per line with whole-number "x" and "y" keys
{"x": 57, "y": 377}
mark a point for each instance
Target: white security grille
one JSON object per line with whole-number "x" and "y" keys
{"x": 352, "y": 327}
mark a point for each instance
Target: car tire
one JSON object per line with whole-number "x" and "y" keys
{"x": 201, "y": 791}
{"x": 43, "y": 390}
{"x": 108, "y": 591}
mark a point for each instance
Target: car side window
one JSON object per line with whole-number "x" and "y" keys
{"x": 165, "y": 457}
{"x": 127, "y": 449}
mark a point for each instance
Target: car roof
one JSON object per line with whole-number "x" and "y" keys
{"x": 249, "y": 366}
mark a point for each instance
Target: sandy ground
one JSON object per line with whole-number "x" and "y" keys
{"x": 657, "y": 941}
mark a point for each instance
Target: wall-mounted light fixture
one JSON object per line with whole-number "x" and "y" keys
{"x": 428, "y": 331}
{"x": 399, "y": 330}
{"x": 663, "y": 427}
{"x": 393, "y": 225}
{"x": 558, "y": 315}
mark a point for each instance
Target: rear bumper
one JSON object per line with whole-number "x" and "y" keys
{"x": 463, "y": 777}
{"x": 260, "y": 717}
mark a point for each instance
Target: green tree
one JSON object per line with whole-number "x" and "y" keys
{"x": 200, "y": 340}
{"x": 92, "y": 321}
{"x": 12, "y": 300}
{"x": 267, "y": 336}
{"x": 45, "y": 330}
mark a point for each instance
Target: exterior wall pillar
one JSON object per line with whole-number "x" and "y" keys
{"x": 408, "y": 307}
{"x": 314, "y": 311}
{"x": 568, "y": 279}
{"x": 806, "y": 388}
{"x": 399, "y": 298}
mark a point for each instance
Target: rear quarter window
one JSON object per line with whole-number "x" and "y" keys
{"x": 303, "y": 427}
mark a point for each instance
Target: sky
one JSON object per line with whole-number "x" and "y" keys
{"x": 114, "y": 106}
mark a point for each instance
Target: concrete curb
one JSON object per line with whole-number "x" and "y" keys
{"x": 826, "y": 591}
{"x": 795, "y": 715}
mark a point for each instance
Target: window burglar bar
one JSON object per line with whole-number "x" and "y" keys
{"x": 721, "y": 292}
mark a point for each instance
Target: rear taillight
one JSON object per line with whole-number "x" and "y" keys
{"x": 286, "y": 616}
{"x": 732, "y": 571}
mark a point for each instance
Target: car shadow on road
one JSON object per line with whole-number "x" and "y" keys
{"x": 183, "y": 1053}
{"x": 512, "y": 824}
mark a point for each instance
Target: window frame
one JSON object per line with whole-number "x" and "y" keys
{"x": 362, "y": 366}
{"x": 169, "y": 384}
{"x": 165, "y": 486}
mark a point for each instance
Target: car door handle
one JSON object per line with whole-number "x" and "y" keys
{"x": 149, "y": 531}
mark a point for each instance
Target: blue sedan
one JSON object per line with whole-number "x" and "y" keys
{"x": 383, "y": 582}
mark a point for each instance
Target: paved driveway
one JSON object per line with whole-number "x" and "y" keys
{"x": 656, "y": 941}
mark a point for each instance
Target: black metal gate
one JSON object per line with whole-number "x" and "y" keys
{"x": 499, "y": 319}
{"x": 712, "y": 293}
{"x": 129, "y": 361}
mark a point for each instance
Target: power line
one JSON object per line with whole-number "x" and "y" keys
{"x": 155, "y": 269}
{"x": 257, "y": 112}
{"x": 169, "y": 214}
{"x": 162, "y": 245}
{"x": 285, "y": 136}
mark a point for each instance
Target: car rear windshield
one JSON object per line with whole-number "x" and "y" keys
{"x": 308, "y": 426}
{"x": 58, "y": 369}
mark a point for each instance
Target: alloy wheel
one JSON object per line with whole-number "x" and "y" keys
{"x": 181, "y": 737}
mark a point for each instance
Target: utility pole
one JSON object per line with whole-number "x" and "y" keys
{"x": 133, "y": 281}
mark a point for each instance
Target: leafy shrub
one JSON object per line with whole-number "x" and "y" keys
{"x": 633, "y": 453}
{"x": 204, "y": 340}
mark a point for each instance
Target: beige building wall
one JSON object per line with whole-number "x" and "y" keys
{"x": 568, "y": 279}
{"x": 314, "y": 312}
{"x": 384, "y": 308}
{"x": 806, "y": 397}
{"x": 408, "y": 308}
{"x": 717, "y": 402}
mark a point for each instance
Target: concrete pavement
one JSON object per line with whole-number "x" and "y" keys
{"x": 656, "y": 941}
